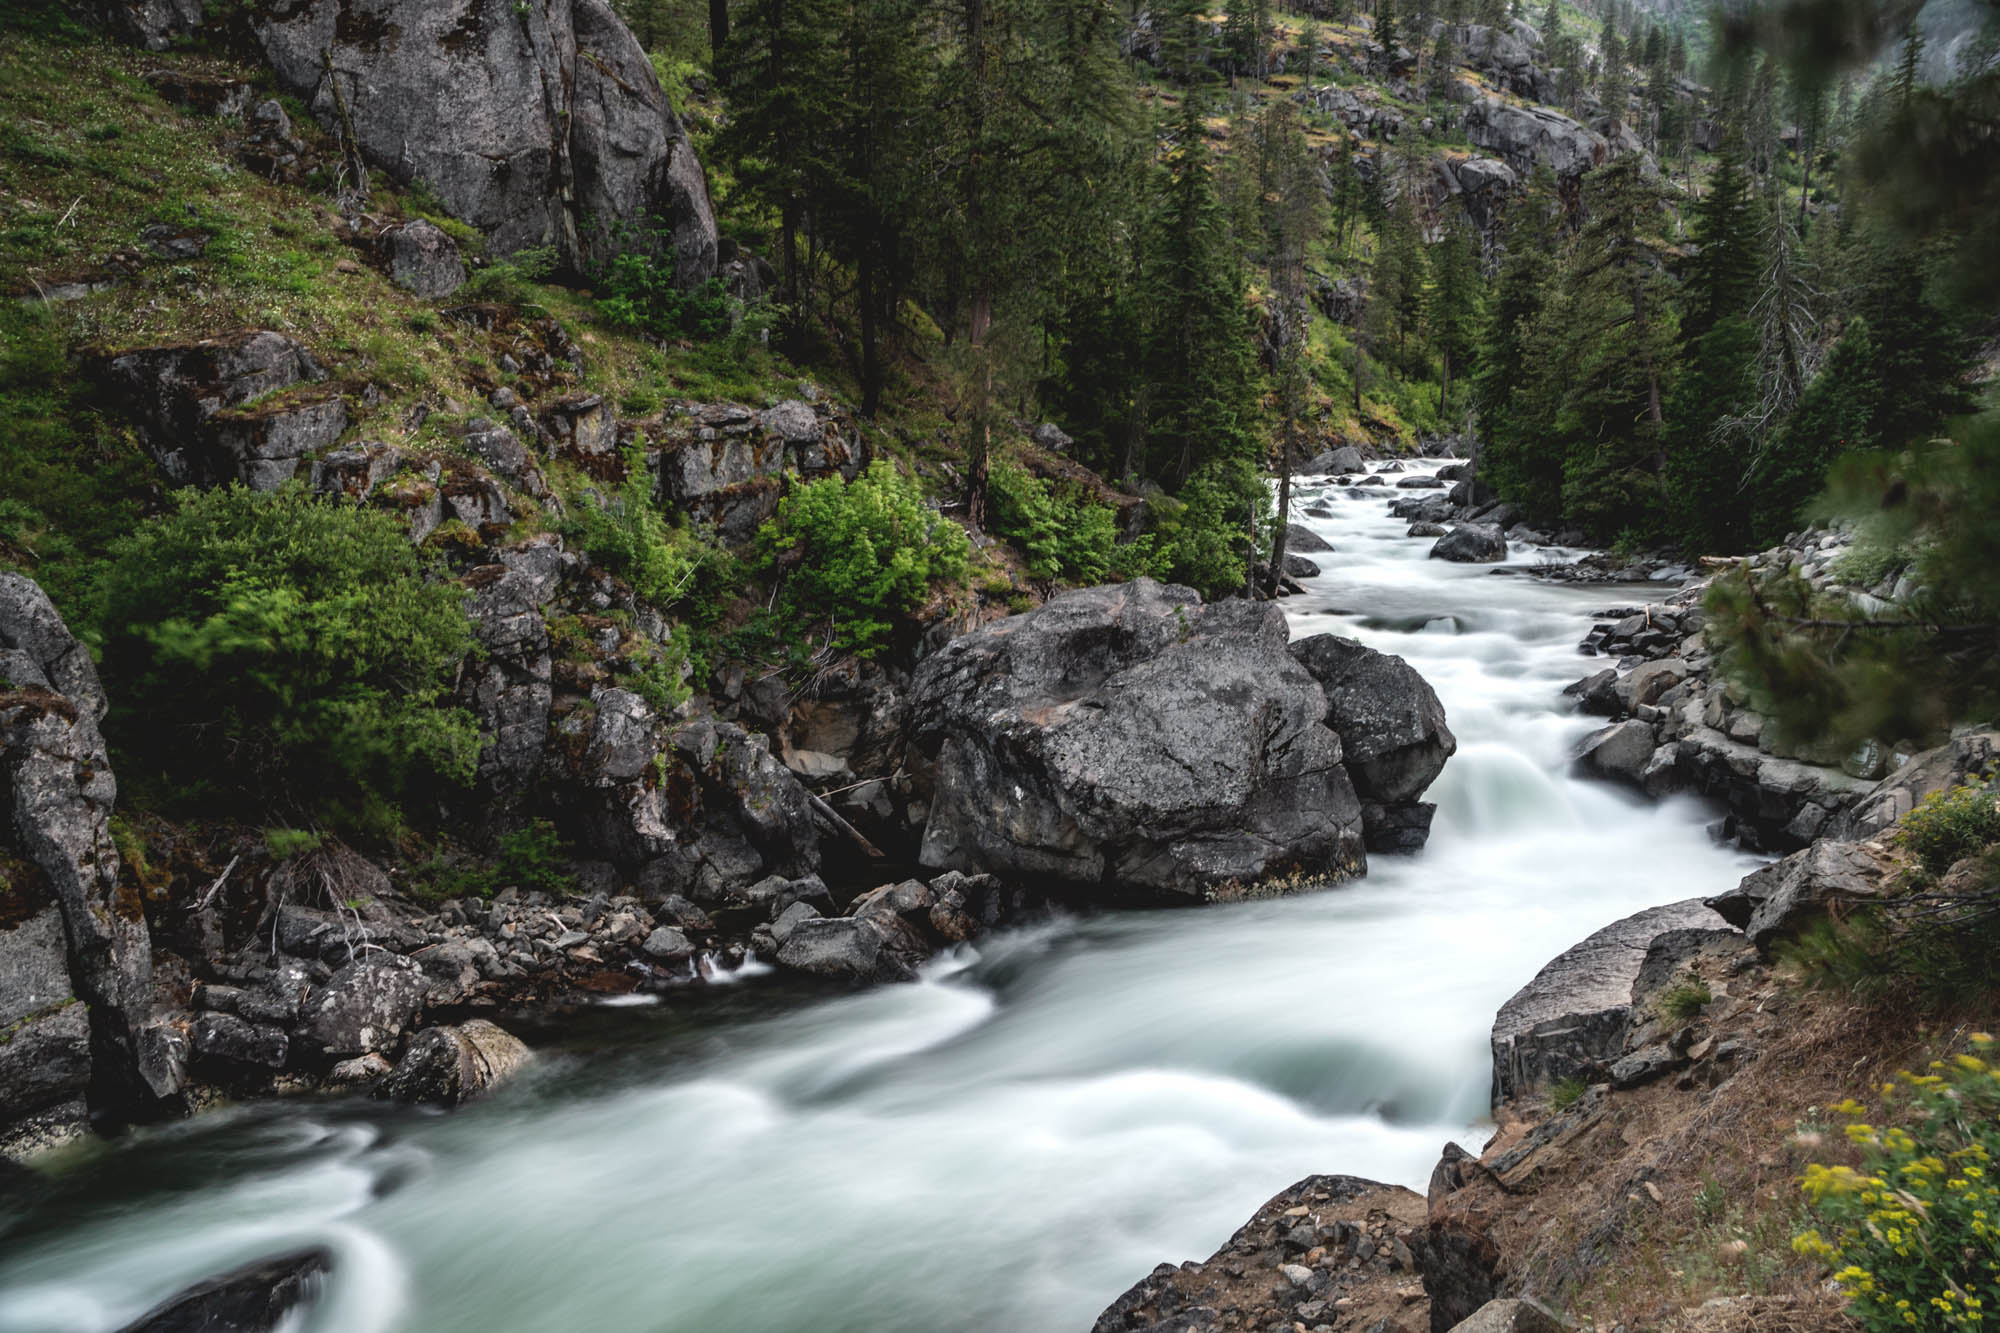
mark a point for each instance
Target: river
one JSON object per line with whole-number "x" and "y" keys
{"x": 1007, "y": 1145}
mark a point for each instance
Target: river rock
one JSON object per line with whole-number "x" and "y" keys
{"x": 257, "y": 1298}
{"x": 1299, "y": 537}
{"x": 1469, "y": 543}
{"x": 449, "y": 1066}
{"x": 45, "y": 1059}
{"x": 237, "y": 1041}
{"x": 1130, "y": 741}
{"x": 365, "y": 1006}
{"x": 1774, "y": 902}
{"x": 854, "y": 949}
{"x": 1572, "y": 1018}
{"x": 1621, "y": 750}
{"x": 1392, "y": 728}
{"x": 1345, "y": 459}
{"x": 540, "y": 124}
{"x": 1298, "y": 567}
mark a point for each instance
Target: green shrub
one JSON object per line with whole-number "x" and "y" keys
{"x": 511, "y": 281}
{"x": 628, "y": 535}
{"x": 1205, "y": 539}
{"x": 533, "y": 857}
{"x": 271, "y": 653}
{"x": 1565, "y": 1092}
{"x": 1065, "y": 536}
{"x": 1914, "y": 1234}
{"x": 1685, "y": 999}
{"x": 857, "y": 555}
{"x": 1951, "y": 825}
{"x": 285, "y": 843}
{"x": 639, "y": 292}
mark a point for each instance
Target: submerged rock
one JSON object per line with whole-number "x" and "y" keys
{"x": 1130, "y": 741}
{"x": 257, "y": 1298}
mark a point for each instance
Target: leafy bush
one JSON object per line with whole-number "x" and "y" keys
{"x": 1914, "y": 1234}
{"x": 275, "y": 653}
{"x": 628, "y": 535}
{"x": 1565, "y": 1092}
{"x": 1951, "y": 825}
{"x": 1205, "y": 542}
{"x": 1064, "y": 536}
{"x": 511, "y": 281}
{"x": 640, "y": 293}
{"x": 860, "y": 554}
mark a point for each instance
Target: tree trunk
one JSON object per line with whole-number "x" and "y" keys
{"x": 1284, "y": 506}
{"x": 871, "y": 359}
{"x": 718, "y": 30}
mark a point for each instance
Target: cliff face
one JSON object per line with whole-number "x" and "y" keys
{"x": 75, "y": 957}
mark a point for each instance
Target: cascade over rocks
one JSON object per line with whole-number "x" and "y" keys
{"x": 56, "y": 793}
{"x": 1130, "y": 741}
{"x": 541, "y": 125}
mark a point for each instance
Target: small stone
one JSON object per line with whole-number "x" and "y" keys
{"x": 668, "y": 945}
{"x": 1296, "y": 1274}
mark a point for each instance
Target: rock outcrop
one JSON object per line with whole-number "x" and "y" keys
{"x": 1130, "y": 741}
{"x": 541, "y": 125}
{"x": 244, "y": 407}
{"x": 1331, "y": 1250}
{"x": 56, "y": 793}
{"x": 1574, "y": 1017}
{"x": 1782, "y": 898}
{"x": 1531, "y": 136}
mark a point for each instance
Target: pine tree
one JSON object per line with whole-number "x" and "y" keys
{"x": 1455, "y": 306}
{"x": 1387, "y": 31}
{"x": 1518, "y": 461}
{"x": 1198, "y": 336}
{"x": 1721, "y": 278}
{"x": 1294, "y": 215}
{"x": 1909, "y": 69}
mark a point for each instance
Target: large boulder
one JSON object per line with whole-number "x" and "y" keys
{"x": 1776, "y": 901}
{"x": 450, "y": 1066}
{"x": 421, "y": 259}
{"x": 1620, "y": 751}
{"x": 56, "y": 794}
{"x": 366, "y": 1006}
{"x": 1130, "y": 741}
{"x": 226, "y": 409}
{"x": 153, "y": 24}
{"x": 540, "y": 124}
{"x": 1573, "y": 1017}
{"x": 1530, "y": 136}
{"x": 1344, "y": 459}
{"x": 1469, "y": 544}
{"x": 1391, "y": 725}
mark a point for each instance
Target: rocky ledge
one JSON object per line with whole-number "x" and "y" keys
{"x": 1678, "y": 725}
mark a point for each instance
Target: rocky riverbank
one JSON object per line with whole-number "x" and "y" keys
{"x": 1117, "y": 744}
{"x": 1646, "y": 1085}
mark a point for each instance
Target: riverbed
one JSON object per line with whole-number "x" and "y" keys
{"x": 1005, "y": 1146}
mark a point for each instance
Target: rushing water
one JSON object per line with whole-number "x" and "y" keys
{"x": 1006, "y": 1146}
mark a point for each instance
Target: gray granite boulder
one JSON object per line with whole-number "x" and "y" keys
{"x": 1128, "y": 741}
{"x": 541, "y": 124}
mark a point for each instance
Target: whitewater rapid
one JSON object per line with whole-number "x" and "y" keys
{"x": 1006, "y": 1146}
